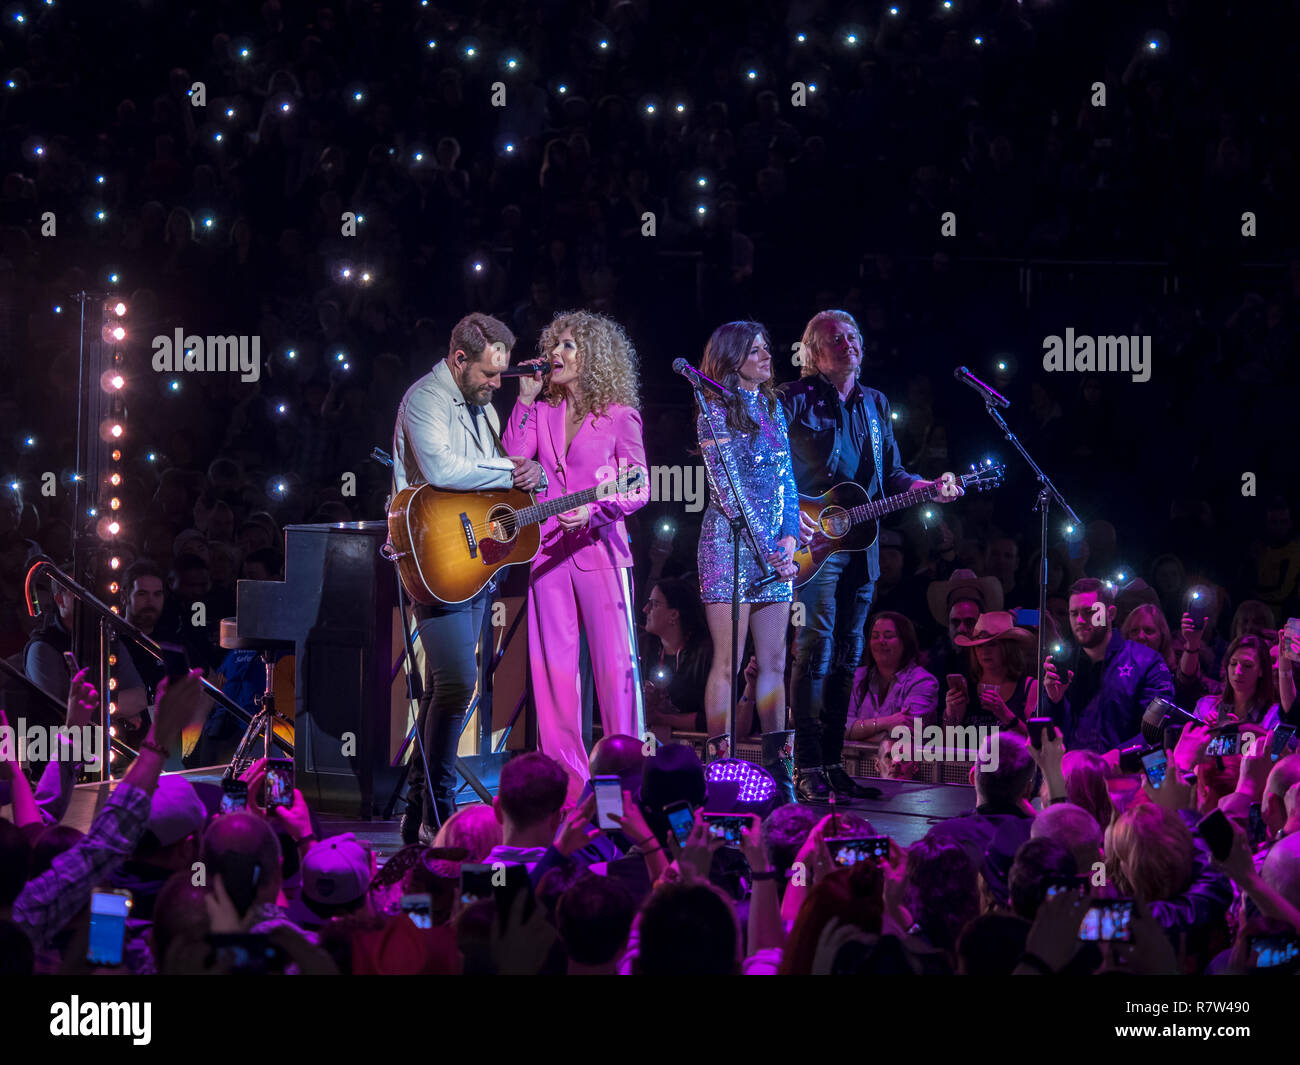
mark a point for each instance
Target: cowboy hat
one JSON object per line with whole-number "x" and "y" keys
{"x": 995, "y": 625}
{"x": 963, "y": 584}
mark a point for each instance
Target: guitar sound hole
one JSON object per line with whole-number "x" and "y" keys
{"x": 503, "y": 525}
{"x": 835, "y": 522}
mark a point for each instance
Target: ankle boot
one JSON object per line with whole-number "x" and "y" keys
{"x": 778, "y": 761}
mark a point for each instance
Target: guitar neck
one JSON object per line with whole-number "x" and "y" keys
{"x": 878, "y": 508}
{"x": 539, "y": 512}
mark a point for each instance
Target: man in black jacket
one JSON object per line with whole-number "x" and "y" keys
{"x": 839, "y": 431}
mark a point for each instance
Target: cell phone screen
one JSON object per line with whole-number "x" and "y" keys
{"x": 1155, "y": 765}
{"x": 1224, "y": 743}
{"x": 278, "y": 786}
{"x": 418, "y": 907}
{"x": 609, "y": 800}
{"x": 726, "y": 827}
{"x": 475, "y": 883}
{"x": 1270, "y": 952}
{"x": 108, "y": 913}
{"x": 851, "y": 850}
{"x": 1109, "y": 920}
{"x": 681, "y": 819}
{"x": 234, "y": 796}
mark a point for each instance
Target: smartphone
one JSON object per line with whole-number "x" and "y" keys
{"x": 1057, "y": 884}
{"x": 1198, "y": 608}
{"x": 681, "y": 819}
{"x": 475, "y": 882}
{"x": 726, "y": 827}
{"x": 71, "y": 661}
{"x": 1037, "y": 726}
{"x": 108, "y": 913}
{"x": 234, "y": 796}
{"x": 609, "y": 800}
{"x": 664, "y": 530}
{"x": 1255, "y": 827}
{"x": 176, "y": 660}
{"x": 247, "y": 953}
{"x": 1226, "y": 740}
{"x": 1108, "y": 921}
{"x": 1155, "y": 764}
{"x": 1217, "y": 832}
{"x": 504, "y": 882}
{"x": 850, "y": 850}
{"x": 1027, "y": 619}
{"x": 1282, "y": 737}
{"x": 278, "y": 785}
{"x": 419, "y": 908}
{"x": 1060, "y": 659}
{"x": 956, "y": 682}
{"x": 1271, "y": 952}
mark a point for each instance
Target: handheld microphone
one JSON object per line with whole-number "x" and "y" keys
{"x": 526, "y": 371}
{"x": 971, "y": 381}
{"x": 698, "y": 379}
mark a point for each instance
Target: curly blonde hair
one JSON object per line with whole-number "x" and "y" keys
{"x": 607, "y": 368}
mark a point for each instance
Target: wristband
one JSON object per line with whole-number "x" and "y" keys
{"x": 768, "y": 874}
{"x": 1035, "y": 962}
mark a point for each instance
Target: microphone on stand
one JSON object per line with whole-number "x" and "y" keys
{"x": 971, "y": 381}
{"x": 698, "y": 379}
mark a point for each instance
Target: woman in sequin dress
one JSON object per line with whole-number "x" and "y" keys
{"x": 751, "y": 431}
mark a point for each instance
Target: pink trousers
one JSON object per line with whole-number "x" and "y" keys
{"x": 564, "y": 602}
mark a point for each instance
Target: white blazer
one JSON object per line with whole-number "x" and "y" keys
{"x": 434, "y": 441}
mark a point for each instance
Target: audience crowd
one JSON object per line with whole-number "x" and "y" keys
{"x": 228, "y": 219}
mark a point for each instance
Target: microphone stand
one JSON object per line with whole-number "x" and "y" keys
{"x": 1047, "y": 492}
{"x": 739, "y": 525}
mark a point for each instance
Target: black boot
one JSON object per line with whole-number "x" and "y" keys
{"x": 844, "y": 786}
{"x": 810, "y": 785}
{"x": 778, "y": 760}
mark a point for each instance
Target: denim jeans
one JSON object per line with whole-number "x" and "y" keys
{"x": 828, "y": 650}
{"x": 450, "y": 636}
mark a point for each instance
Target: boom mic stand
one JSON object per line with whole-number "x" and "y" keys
{"x": 1047, "y": 492}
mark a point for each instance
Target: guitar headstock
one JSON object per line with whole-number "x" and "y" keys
{"x": 984, "y": 477}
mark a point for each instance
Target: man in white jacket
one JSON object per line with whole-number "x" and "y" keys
{"x": 446, "y": 435}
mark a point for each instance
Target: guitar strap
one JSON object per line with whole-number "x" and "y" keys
{"x": 876, "y": 450}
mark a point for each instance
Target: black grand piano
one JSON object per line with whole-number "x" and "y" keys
{"x": 335, "y": 607}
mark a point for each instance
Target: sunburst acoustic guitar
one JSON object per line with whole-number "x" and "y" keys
{"x": 847, "y": 521}
{"x": 447, "y": 545}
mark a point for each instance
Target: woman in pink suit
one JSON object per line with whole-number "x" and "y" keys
{"x": 586, "y": 431}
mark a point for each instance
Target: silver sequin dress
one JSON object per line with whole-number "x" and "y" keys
{"x": 764, "y": 474}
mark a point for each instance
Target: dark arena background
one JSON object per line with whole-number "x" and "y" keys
{"x": 260, "y": 268}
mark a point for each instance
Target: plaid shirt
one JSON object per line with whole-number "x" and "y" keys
{"x": 55, "y": 897}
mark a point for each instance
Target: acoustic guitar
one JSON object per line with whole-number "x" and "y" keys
{"x": 847, "y": 520}
{"x": 447, "y": 545}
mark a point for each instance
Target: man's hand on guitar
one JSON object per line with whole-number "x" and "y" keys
{"x": 949, "y": 487}
{"x": 783, "y": 557}
{"x": 527, "y": 473}
{"x": 807, "y": 528}
{"x": 575, "y": 519}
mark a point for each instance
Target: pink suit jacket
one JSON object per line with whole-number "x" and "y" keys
{"x": 602, "y": 448}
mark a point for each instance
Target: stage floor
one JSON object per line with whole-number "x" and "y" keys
{"x": 905, "y": 811}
